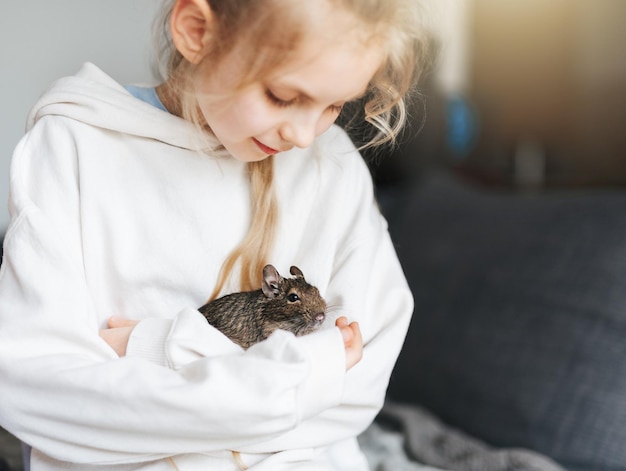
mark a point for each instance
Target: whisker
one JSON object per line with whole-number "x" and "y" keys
{"x": 332, "y": 308}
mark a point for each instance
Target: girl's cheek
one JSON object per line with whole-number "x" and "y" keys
{"x": 258, "y": 110}
{"x": 248, "y": 116}
{"x": 325, "y": 122}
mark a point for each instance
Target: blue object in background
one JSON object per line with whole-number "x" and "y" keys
{"x": 461, "y": 126}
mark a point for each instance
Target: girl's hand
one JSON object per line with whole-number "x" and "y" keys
{"x": 118, "y": 333}
{"x": 352, "y": 340}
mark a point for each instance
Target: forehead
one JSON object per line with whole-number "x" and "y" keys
{"x": 335, "y": 59}
{"x": 335, "y": 74}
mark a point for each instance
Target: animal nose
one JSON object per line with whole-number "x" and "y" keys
{"x": 320, "y": 317}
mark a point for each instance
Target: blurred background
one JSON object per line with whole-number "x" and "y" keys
{"x": 522, "y": 94}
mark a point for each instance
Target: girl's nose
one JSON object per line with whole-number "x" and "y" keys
{"x": 300, "y": 134}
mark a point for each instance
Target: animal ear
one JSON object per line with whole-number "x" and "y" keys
{"x": 271, "y": 281}
{"x": 295, "y": 271}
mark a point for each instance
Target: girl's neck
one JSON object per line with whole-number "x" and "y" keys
{"x": 165, "y": 92}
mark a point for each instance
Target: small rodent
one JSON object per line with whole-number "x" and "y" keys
{"x": 248, "y": 317}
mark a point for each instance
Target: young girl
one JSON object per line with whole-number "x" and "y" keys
{"x": 130, "y": 207}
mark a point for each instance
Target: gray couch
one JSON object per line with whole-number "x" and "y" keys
{"x": 519, "y": 332}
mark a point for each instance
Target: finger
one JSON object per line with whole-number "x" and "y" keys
{"x": 103, "y": 333}
{"x": 117, "y": 338}
{"x": 341, "y": 321}
{"x": 356, "y": 330}
{"x": 115, "y": 322}
{"x": 347, "y": 334}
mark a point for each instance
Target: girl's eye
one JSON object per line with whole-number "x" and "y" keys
{"x": 277, "y": 101}
{"x": 293, "y": 297}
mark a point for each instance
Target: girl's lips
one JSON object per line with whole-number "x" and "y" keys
{"x": 264, "y": 148}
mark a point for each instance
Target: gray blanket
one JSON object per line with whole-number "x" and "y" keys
{"x": 409, "y": 438}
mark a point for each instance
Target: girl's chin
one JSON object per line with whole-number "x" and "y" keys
{"x": 249, "y": 156}
{"x": 251, "y": 153}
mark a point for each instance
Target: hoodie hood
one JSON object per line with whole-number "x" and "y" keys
{"x": 94, "y": 98}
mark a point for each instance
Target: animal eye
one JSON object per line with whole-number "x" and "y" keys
{"x": 293, "y": 297}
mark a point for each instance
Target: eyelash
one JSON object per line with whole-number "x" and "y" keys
{"x": 277, "y": 101}
{"x": 286, "y": 104}
{"x": 336, "y": 108}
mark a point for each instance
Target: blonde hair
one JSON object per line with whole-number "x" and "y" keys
{"x": 272, "y": 38}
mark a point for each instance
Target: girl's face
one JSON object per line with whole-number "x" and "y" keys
{"x": 295, "y": 104}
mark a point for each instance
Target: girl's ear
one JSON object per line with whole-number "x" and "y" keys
{"x": 190, "y": 25}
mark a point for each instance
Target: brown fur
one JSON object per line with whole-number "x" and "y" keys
{"x": 248, "y": 317}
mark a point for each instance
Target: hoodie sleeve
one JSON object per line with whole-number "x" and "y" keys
{"x": 66, "y": 393}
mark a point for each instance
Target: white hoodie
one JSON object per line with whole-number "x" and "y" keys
{"x": 113, "y": 212}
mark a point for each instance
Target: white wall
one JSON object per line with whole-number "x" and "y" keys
{"x": 449, "y": 21}
{"x": 42, "y": 40}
